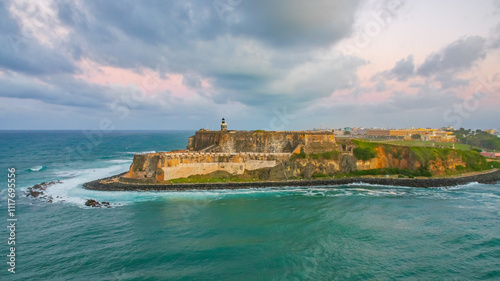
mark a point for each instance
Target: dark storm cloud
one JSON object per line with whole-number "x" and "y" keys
{"x": 441, "y": 66}
{"x": 457, "y": 56}
{"x": 248, "y": 51}
{"x": 403, "y": 69}
{"x": 21, "y": 52}
{"x": 296, "y": 23}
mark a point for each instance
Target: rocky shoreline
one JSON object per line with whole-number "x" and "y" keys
{"x": 485, "y": 178}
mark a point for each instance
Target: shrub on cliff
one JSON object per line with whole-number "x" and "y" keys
{"x": 364, "y": 153}
{"x": 300, "y": 155}
{"x": 474, "y": 161}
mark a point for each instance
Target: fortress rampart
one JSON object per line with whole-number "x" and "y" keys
{"x": 262, "y": 141}
{"x": 163, "y": 166}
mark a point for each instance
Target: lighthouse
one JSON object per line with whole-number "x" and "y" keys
{"x": 223, "y": 125}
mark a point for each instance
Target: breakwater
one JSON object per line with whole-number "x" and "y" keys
{"x": 107, "y": 185}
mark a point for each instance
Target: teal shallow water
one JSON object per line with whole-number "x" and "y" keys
{"x": 346, "y": 232}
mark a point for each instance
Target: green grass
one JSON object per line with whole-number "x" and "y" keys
{"x": 460, "y": 146}
{"x": 424, "y": 152}
{"x": 213, "y": 179}
{"x": 479, "y": 139}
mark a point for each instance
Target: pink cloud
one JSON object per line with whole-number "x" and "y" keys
{"x": 147, "y": 80}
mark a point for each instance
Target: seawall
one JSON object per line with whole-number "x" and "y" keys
{"x": 490, "y": 177}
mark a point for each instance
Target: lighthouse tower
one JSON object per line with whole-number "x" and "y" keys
{"x": 223, "y": 125}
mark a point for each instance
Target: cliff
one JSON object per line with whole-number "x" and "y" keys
{"x": 353, "y": 158}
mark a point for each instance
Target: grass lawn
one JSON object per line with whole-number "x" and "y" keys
{"x": 460, "y": 146}
{"x": 209, "y": 179}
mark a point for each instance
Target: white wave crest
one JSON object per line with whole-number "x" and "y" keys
{"x": 140, "y": 152}
{"x": 119, "y": 161}
{"x": 36, "y": 168}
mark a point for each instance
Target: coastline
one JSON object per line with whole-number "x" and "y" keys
{"x": 492, "y": 176}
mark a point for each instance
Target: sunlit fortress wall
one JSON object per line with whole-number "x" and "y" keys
{"x": 262, "y": 141}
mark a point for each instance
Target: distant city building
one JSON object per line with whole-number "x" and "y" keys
{"x": 490, "y": 131}
{"x": 425, "y": 134}
{"x": 491, "y": 154}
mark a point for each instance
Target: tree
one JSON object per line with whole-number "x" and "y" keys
{"x": 347, "y": 133}
{"x": 416, "y": 136}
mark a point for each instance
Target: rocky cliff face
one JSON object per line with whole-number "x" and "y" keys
{"x": 436, "y": 160}
{"x": 386, "y": 157}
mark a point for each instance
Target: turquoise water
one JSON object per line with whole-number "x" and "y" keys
{"x": 353, "y": 232}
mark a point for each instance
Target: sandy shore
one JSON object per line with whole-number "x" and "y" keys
{"x": 108, "y": 184}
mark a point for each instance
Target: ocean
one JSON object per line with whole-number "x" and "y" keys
{"x": 353, "y": 232}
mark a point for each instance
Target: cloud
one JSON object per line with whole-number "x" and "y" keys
{"x": 448, "y": 81}
{"x": 296, "y": 23}
{"x": 256, "y": 54}
{"x": 249, "y": 54}
{"x": 495, "y": 38}
{"x": 22, "y": 52}
{"x": 381, "y": 86}
{"x": 240, "y": 58}
{"x": 403, "y": 70}
{"x": 457, "y": 56}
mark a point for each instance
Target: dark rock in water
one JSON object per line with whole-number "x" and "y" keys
{"x": 93, "y": 203}
{"x": 97, "y": 204}
{"x": 37, "y": 186}
{"x": 37, "y": 191}
{"x": 33, "y": 193}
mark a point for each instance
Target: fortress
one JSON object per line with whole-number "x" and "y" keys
{"x": 284, "y": 155}
{"x": 231, "y": 151}
{"x": 261, "y": 141}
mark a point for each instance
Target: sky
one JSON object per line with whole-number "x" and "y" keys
{"x": 274, "y": 65}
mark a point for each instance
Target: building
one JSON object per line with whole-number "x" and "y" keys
{"x": 425, "y": 134}
{"x": 490, "y": 131}
{"x": 223, "y": 125}
{"x": 491, "y": 154}
{"x": 260, "y": 141}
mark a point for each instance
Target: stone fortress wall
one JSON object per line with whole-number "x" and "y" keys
{"x": 163, "y": 166}
{"x": 262, "y": 141}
